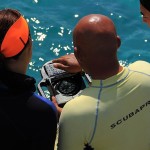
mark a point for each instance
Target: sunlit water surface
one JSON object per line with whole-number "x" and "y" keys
{"x": 52, "y": 22}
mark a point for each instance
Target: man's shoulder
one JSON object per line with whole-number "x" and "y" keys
{"x": 140, "y": 66}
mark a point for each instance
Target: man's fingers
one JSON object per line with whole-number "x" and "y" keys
{"x": 59, "y": 109}
{"x": 53, "y": 98}
{"x": 60, "y": 60}
{"x": 60, "y": 66}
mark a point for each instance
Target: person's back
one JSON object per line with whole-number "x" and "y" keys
{"x": 28, "y": 121}
{"x": 113, "y": 113}
{"x": 122, "y": 120}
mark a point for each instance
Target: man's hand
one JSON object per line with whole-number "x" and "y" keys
{"x": 68, "y": 63}
{"x": 59, "y": 109}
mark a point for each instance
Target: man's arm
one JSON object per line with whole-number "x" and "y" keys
{"x": 68, "y": 63}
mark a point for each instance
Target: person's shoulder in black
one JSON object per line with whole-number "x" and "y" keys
{"x": 28, "y": 121}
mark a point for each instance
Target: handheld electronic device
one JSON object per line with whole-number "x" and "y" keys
{"x": 63, "y": 85}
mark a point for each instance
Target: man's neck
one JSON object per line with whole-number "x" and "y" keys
{"x": 110, "y": 71}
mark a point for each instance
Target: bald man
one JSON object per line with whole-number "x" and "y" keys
{"x": 113, "y": 113}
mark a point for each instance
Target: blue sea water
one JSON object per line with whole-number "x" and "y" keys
{"x": 52, "y": 22}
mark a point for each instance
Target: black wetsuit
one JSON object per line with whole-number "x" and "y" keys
{"x": 27, "y": 120}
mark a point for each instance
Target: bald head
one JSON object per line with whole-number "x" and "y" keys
{"x": 95, "y": 33}
{"x": 95, "y": 41}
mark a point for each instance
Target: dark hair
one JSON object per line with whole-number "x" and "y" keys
{"x": 7, "y": 19}
{"x": 146, "y": 4}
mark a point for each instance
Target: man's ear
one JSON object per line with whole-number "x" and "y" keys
{"x": 78, "y": 55}
{"x": 75, "y": 52}
{"x": 118, "y": 41}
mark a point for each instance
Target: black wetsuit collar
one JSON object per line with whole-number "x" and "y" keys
{"x": 15, "y": 82}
